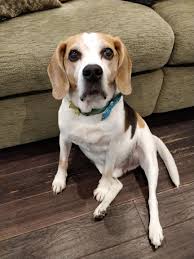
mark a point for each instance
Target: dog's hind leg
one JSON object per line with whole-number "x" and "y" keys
{"x": 114, "y": 189}
{"x": 148, "y": 161}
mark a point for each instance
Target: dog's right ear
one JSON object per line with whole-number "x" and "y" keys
{"x": 57, "y": 73}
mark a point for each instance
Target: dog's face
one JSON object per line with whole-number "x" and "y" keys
{"x": 90, "y": 68}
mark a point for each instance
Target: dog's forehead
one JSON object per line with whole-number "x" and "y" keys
{"x": 90, "y": 41}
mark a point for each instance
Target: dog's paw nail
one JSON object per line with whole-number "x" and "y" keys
{"x": 100, "y": 193}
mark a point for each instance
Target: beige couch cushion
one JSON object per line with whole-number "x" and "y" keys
{"x": 177, "y": 90}
{"x": 146, "y": 89}
{"x": 27, "y": 42}
{"x": 180, "y": 15}
{"x": 27, "y": 119}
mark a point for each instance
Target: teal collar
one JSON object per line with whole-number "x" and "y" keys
{"x": 106, "y": 110}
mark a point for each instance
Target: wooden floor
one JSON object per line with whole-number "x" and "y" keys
{"x": 34, "y": 223}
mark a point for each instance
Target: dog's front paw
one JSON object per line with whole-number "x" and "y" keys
{"x": 100, "y": 193}
{"x": 156, "y": 234}
{"x": 102, "y": 189}
{"x": 99, "y": 213}
{"x": 59, "y": 183}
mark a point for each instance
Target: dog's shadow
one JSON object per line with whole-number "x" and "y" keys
{"x": 86, "y": 176}
{"x": 83, "y": 173}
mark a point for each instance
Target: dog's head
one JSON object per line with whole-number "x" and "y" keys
{"x": 90, "y": 68}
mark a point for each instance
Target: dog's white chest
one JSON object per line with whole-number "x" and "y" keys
{"x": 93, "y": 141}
{"x": 92, "y": 135}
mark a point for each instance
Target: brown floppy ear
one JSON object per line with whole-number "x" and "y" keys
{"x": 57, "y": 74}
{"x": 123, "y": 77}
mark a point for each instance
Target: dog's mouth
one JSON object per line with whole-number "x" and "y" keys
{"x": 93, "y": 91}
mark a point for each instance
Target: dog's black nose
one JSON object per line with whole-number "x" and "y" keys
{"x": 92, "y": 72}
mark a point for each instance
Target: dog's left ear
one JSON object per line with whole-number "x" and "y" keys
{"x": 123, "y": 77}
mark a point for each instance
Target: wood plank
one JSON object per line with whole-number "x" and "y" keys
{"x": 178, "y": 244}
{"x": 26, "y": 183}
{"x": 27, "y": 156}
{"x": 175, "y": 206}
{"x": 45, "y": 209}
{"x": 77, "y": 237}
{"x": 135, "y": 249}
{"x": 42, "y": 210}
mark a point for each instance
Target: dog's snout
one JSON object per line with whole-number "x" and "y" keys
{"x": 92, "y": 72}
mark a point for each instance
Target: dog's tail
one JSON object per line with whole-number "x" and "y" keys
{"x": 168, "y": 160}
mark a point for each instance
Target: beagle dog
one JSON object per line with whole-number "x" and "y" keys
{"x": 91, "y": 72}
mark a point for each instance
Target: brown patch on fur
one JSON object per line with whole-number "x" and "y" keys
{"x": 123, "y": 78}
{"x": 61, "y": 70}
{"x": 140, "y": 121}
{"x": 120, "y": 65}
{"x": 107, "y": 39}
{"x": 57, "y": 74}
{"x": 63, "y": 164}
{"x": 73, "y": 42}
{"x": 108, "y": 42}
{"x": 70, "y": 68}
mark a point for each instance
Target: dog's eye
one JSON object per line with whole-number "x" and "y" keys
{"x": 107, "y": 53}
{"x": 74, "y": 55}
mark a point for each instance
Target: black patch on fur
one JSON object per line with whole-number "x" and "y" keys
{"x": 130, "y": 119}
{"x": 144, "y": 2}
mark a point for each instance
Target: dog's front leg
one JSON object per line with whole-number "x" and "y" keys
{"x": 108, "y": 187}
{"x": 59, "y": 181}
{"x": 115, "y": 187}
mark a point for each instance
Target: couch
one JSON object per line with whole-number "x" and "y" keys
{"x": 160, "y": 41}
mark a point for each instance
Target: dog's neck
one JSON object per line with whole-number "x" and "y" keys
{"x": 105, "y": 111}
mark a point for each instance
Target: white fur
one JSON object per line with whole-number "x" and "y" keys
{"x": 91, "y": 47}
{"x": 109, "y": 146}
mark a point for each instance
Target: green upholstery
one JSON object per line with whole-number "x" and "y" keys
{"x": 177, "y": 89}
{"x": 155, "y": 38}
{"x": 27, "y": 119}
{"x": 180, "y": 16}
{"x": 146, "y": 89}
